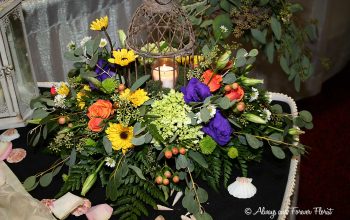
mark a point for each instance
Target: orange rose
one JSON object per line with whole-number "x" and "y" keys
{"x": 235, "y": 94}
{"x": 96, "y": 124}
{"x": 214, "y": 81}
{"x": 100, "y": 109}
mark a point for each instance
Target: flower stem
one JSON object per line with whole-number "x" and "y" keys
{"x": 109, "y": 39}
{"x": 52, "y": 167}
{"x": 194, "y": 189}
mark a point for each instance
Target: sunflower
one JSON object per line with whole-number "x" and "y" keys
{"x": 120, "y": 136}
{"x": 123, "y": 57}
{"x": 99, "y": 24}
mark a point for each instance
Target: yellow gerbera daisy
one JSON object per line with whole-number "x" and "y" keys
{"x": 120, "y": 136}
{"x": 123, "y": 57}
{"x": 63, "y": 89}
{"x": 125, "y": 95}
{"x": 139, "y": 97}
{"x": 99, "y": 24}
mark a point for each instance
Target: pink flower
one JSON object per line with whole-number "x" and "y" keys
{"x": 99, "y": 212}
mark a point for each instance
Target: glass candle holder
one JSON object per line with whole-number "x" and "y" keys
{"x": 165, "y": 70}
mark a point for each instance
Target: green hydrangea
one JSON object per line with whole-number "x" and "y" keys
{"x": 207, "y": 145}
{"x": 173, "y": 118}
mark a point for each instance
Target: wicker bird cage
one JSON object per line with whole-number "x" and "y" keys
{"x": 161, "y": 33}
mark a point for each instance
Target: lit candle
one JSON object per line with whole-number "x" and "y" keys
{"x": 166, "y": 69}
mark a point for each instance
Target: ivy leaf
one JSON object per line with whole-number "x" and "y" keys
{"x": 107, "y": 144}
{"x": 46, "y": 179}
{"x": 253, "y": 141}
{"x": 138, "y": 171}
{"x": 278, "y": 152}
{"x": 139, "y": 82}
{"x": 276, "y": 28}
{"x": 258, "y": 35}
{"x": 198, "y": 158}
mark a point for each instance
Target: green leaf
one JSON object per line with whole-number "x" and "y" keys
{"x": 276, "y": 28}
{"x": 96, "y": 43}
{"x": 181, "y": 162}
{"x": 311, "y": 32}
{"x": 294, "y": 151}
{"x": 71, "y": 57}
{"x": 284, "y": 64}
{"x": 107, "y": 144}
{"x": 306, "y": 116}
{"x": 139, "y": 82}
{"x": 198, "y": 158}
{"x": 109, "y": 85}
{"x": 206, "y": 23}
{"x": 72, "y": 157}
{"x": 309, "y": 126}
{"x": 225, "y": 5}
{"x": 270, "y": 51}
{"x": 240, "y": 61}
{"x": 36, "y": 139}
{"x": 205, "y": 114}
{"x": 276, "y": 137}
{"x": 46, "y": 179}
{"x": 202, "y": 216}
{"x": 190, "y": 204}
{"x": 138, "y": 171}
{"x": 222, "y": 19}
{"x": 40, "y": 113}
{"x": 45, "y": 131}
{"x": 296, "y": 7}
{"x": 258, "y": 35}
{"x": 225, "y": 103}
{"x": 263, "y": 2}
{"x": 93, "y": 61}
{"x": 277, "y": 109}
{"x": 297, "y": 82}
{"x": 138, "y": 141}
{"x": 278, "y": 152}
{"x": 57, "y": 170}
{"x": 241, "y": 53}
{"x": 253, "y": 53}
{"x": 229, "y": 78}
{"x": 253, "y": 141}
{"x": 202, "y": 195}
{"x": 29, "y": 182}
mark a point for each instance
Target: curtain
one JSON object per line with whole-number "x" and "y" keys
{"x": 52, "y": 24}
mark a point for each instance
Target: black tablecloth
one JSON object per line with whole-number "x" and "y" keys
{"x": 270, "y": 177}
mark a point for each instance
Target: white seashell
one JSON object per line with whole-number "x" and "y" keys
{"x": 177, "y": 197}
{"x": 160, "y": 217}
{"x": 164, "y": 208}
{"x": 9, "y": 135}
{"x": 242, "y": 188}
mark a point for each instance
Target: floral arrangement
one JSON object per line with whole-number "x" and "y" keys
{"x": 141, "y": 142}
{"x": 271, "y": 26}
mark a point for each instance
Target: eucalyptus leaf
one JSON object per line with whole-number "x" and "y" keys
{"x": 229, "y": 78}
{"x": 240, "y": 61}
{"x": 140, "y": 82}
{"x": 276, "y": 138}
{"x": 45, "y": 131}
{"x": 278, "y": 152}
{"x": 96, "y": 42}
{"x": 253, "y": 53}
{"x": 56, "y": 170}
{"x": 284, "y": 64}
{"x": 306, "y": 116}
{"x": 297, "y": 82}
{"x": 241, "y": 53}
{"x": 181, "y": 161}
{"x": 190, "y": 204}
{"x": 45, "y": 179}
{"x": 29, "y": 182}
{"x": 202, "y": 195}
{"x": 36, "y": 139}
{"x": 138, "y": 171}
{"x": 72, "y": 157}
{"x": 93, "y": 61}
{"x": 225, "y": 103}
{"x": 270, "y": 51}
{"x": 205, "y": 114}
{"x": 253, "y": 141}
{"x": 202, "y": 216}
{"x": 137, "y": 141}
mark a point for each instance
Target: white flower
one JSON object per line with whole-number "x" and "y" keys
{"x": 254, "y": 95}
{"x": 84, "y": 40}
{"x": 59, "y": 101}
{"x": 266, "y": 114}
{"x": 110, "y": 162}
{"x": 223, "y": 28}
{"x": 212, "y": 112}
{"x": 71, "y": 46}
{"x": 103, "y": 43}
